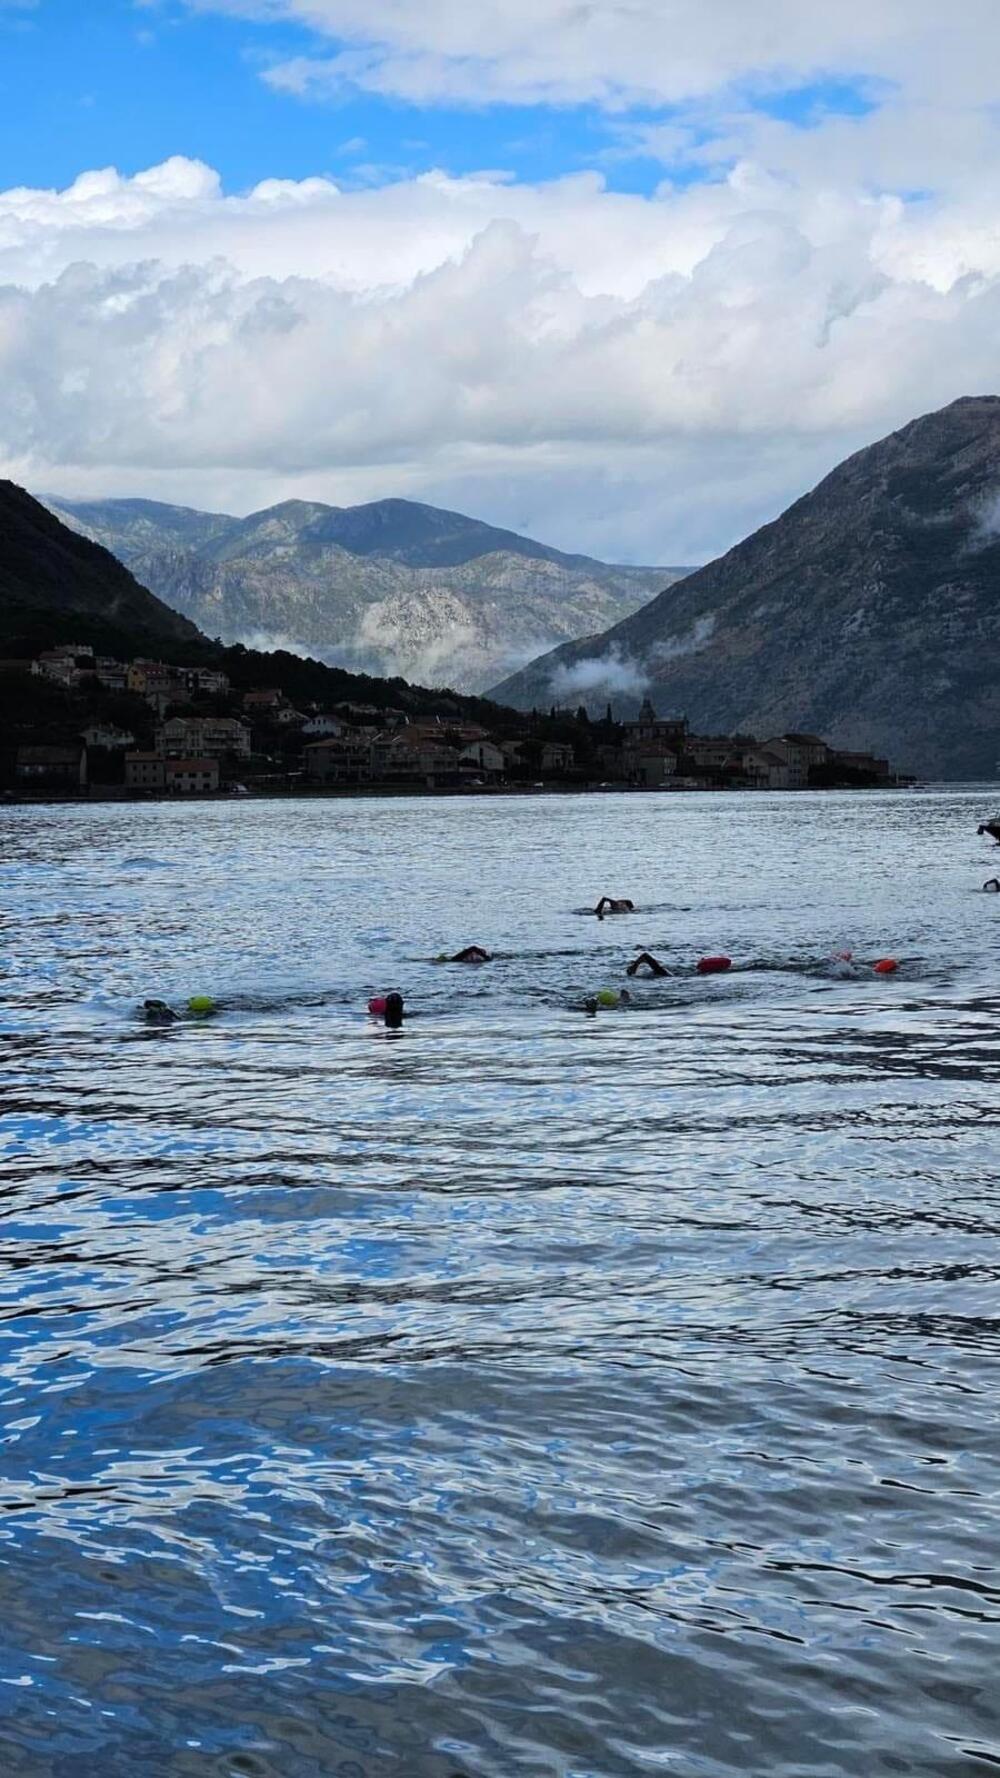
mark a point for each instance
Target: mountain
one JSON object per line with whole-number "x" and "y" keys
{"x": 47, "y": 570}
{"x": 868, "y": 613}
{"x": 392, "y": 587}
{"x": 57, "y": 586}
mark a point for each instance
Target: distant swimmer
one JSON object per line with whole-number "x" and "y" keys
{"x": 607, "y": 998}
{"x": 992, "y": 828}
{"x": 608, "y": 905}
{"x": 389, "y": 1008}
{"x": 992, "y": 885}
{"x": 157, "y": 1012}
{"x": 471, "y": 954}
{"x": 646, "y": 961}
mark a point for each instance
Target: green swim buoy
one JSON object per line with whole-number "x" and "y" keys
{"x": 607, "y": 997}
{"x": 201, "y": 1003}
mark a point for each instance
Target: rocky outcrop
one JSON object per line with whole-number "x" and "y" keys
{"x": 869, "y": 613}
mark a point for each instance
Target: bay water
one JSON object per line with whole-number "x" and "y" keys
{"x": 523, "y": 1393}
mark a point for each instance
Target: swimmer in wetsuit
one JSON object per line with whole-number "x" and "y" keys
{"x": 157, "y": 1012}
{"x": 646, "y": 961}
{"x": 608, "y": 905}
{"x": 394, "y": 1012}
{"x": 992, "y": 828}
{"x": 992, "y": 885}
{"x": 471, "y": 954}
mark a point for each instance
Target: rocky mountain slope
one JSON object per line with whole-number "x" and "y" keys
{"x": 46, "y": 568}
{"x": 392, "y": 587}
{"x": 868, "y": 613}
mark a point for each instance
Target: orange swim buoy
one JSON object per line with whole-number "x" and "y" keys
{"x": 714, "y": 965}
{"x": 886, "y": 966}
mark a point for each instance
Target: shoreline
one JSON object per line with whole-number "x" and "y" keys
{"x": 103, "y": 794}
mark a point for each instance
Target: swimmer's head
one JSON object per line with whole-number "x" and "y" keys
{"x": 157, "y": 1012}
{"x": 394, "y": 1011}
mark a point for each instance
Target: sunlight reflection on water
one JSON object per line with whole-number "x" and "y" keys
{"x": 521, "y": 1393}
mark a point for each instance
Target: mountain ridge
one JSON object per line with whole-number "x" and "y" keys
{"x": 867, "y": 611}
{"x": 45, "y": 568}
{"x": 391, "y": 586}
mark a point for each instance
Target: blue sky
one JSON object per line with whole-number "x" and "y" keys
{"x": 92, "y": 83}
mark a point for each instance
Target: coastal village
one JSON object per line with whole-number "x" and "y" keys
{"x": 186, "y": 731}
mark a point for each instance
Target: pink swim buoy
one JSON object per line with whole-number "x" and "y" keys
{"x": 713, "y": 965}
{"x": 377, "y": 1005}
{"x": 886, "y": 966}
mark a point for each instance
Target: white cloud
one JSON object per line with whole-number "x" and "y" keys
{"x": 691, "y": 641}
{"x": 611, "y": 674}
{"x": 617, "y": 52}
{"x": 641, "y": 377}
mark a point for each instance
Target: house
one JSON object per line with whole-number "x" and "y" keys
{"x": 671, "y": 731}
{"x": 867, "y": 765}
{"x": 317, "y": 728}
{"x": 799, "y": 753}
{"x": 709, "y": 754}
{"x": 751, "y": 767}
{"x": 145, "y": 771}
{"x": 557, "y": 756}
{"x": 113, "y": 675}
{"x": 105, "y": 734}
{"x": 191, "y": 777}
{"x": 201, "y": 737}
{"x": 286, "y": 717}
{"x": 341, "y": 759}
{"x": 390, "y": 757}
{"x": 51, "y": 768}
{"x": 264, "y": 701}
{"x": 64, "y": 665}
{"x": 144, "y": 676}
{"x": 209, "y": 681}
{"x": 416, "y": 751}
{"x": 485, "y": 757}
{"x": 651, "y": 764}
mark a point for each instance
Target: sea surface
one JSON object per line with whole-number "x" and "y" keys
{"x": 523, "y": 1394}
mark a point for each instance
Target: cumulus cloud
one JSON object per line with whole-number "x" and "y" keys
{"x": 641, "y": 377}
{"x": 611, "y": 674}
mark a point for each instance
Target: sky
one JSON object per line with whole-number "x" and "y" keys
{"x": 628, "y": 276}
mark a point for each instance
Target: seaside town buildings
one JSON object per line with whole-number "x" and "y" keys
{"x": 199, "y": 737}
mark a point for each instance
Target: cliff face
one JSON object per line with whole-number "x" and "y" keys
{"x": 868, "y": 613}
{"x": 47, "y": 569}
{"x": 393, "y": 587}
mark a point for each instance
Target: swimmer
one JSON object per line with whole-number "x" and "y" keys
{"x": 608, "y": 905}
{"x": 607, "y": 998}
{"x": 394, "y": 1013}
{"x": 157, "y": 1012}
{"x": 646, "y": 961}
{"x": 992, "y": 828}
{"x": 471, "y": 954}
{"x": 992, "y": 885}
